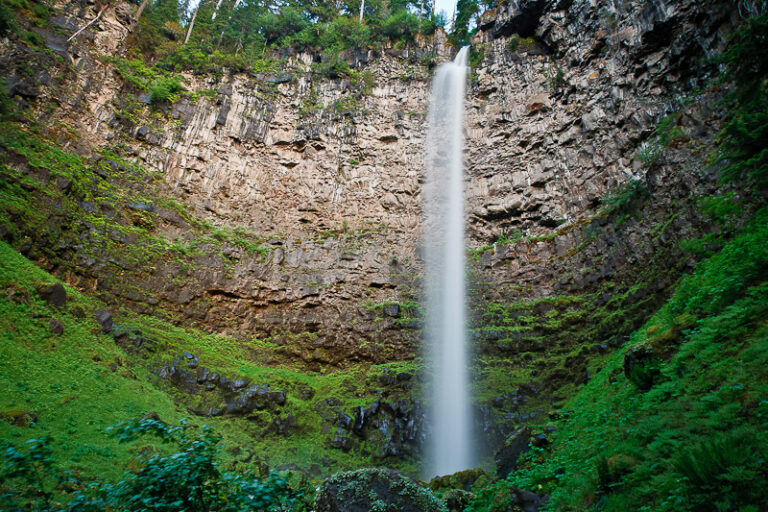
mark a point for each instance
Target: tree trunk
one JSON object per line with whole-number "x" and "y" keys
{"x": 215, "y": 10}
{"x": 88, "y": 24}
{"x": 143, "y": 6}
{"x": 191, "y": 24}
{"x": 362, "y": 7}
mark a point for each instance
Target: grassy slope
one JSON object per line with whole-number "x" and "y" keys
{"x": 67, "y": 383}
{"x": 697, "y": 439}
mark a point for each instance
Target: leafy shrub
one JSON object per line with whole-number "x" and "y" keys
{"x": 744, "y": 139}
{"x": 644, "y": 375}
{"x": 667, "y": 131}
{"x": 626, "y": 197}
{"x": 8, "y": 22}
{"x": 188, "y": 479}
{"x": 7, "y": 108}
{"x": 648, "y": 153}
{"x": 610, "y": 470}
{"x": 400, "y": 26}
{"x": 165, "y": 90}
{"x": 334, "y": 66}
{"x": 345, "y": 32}
{"x": 476, "y": 56}
{"x": 721, "y": 472}
{"x": 28, "y": 474}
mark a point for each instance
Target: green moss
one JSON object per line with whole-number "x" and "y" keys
{"x": 78, "y": 384}
{"x": 672, "y": 447}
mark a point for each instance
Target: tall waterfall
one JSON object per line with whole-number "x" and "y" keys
{"x": 450, "y": 448}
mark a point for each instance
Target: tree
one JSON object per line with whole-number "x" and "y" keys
{"x": 465, "y": 11}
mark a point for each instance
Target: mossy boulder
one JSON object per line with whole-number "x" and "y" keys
{"x": 375, "y": 489}
{"x": 467, "y": 480}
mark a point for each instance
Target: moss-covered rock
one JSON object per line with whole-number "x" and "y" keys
{"x": 380, "y": 490}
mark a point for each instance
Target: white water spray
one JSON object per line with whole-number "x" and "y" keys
{"x": 450, "y": 448}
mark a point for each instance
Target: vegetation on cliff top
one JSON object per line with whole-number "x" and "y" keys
{"x": 240, "y": 34}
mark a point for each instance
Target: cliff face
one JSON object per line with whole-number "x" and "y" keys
{"x": 327, "y": 172}
{"x": 286, "y": 206}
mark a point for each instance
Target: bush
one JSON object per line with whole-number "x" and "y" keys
{"x": 165, "y": 90}
{"x": 668, "y": 132}
{"x": 8, "y": 22}
{"x": 626, "y": 197}
{"x": 400, "y": 26}
{"x": 725, "y": 468}
{"x": 29, "y": 475}
{"x": 345, "y": 32}
{"x": 744, "y": 139}
{"x": 188, "y": 479}
{"x": 334, "y": 66}
{"x": 7, "y": 107}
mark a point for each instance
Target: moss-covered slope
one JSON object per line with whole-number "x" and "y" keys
{"x": 676, "y": 419}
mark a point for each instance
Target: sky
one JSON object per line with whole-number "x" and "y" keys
{"x": 445, "y": 5}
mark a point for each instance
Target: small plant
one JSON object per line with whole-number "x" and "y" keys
{"x": 555, "y": 80}
{"x": 476, "y": 56}
{"x": 429, "y": 60}
{"x": 733, "y": 461}
{"x": 608, "y": 19}
{"x": 668, "y": 132}
{"x": 513, "y": 43}
{"x": 165, "y": 90}
{"x": 648, "y": 153}
{"x": 334, "y": 66}
{"x": 626, "y": 197}
{"x": 644, "y": 375}
{"x": 511, "y": 237}
{"x": 610, "y": 470}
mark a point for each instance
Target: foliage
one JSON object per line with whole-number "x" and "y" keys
{"x": 556, "y": 79}
{"x": 695, "y": 441}
{"x": 626, "y": 197}
{"x": 724, "y": 466}
{"x": 165, "y": 90}
{"x": 667, "y": 131}
{"x": 334, "y": 66}
{"x": 648, "y": 152}
{"x": 466, "y": 10}
{"x": 72, "y": 386}
{"x": 189, "y": 478}
{"x": 256, "y": 30}
{"x": 7, "y": 107}
{"x": 28, "y": 475}
{"x": 8, "y": 21}
{"x": 644, "y": 375}
{"x": 743, "y": 144}
{"x": 476, "y": 56}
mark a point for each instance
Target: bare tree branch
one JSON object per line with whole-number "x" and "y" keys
{"x": 87, "y": 25}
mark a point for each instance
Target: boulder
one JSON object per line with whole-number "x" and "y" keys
{"x": 516, "y": 500}
{"x": 56, "y": 327}
{"x": 104, "y": 319}
{"x": 381, "y": 489}
{"x": 53, "y": 295}
{"x": 515, "y": 445}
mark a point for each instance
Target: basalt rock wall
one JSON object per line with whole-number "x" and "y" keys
{"x": 328, "y": 171}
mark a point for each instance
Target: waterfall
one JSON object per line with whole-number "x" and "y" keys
{"x": 450, "y": 447}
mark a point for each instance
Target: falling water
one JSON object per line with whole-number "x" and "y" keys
{"x": 450, "y": 447}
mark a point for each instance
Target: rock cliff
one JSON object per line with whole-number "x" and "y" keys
{"x": 285, "y": 205}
